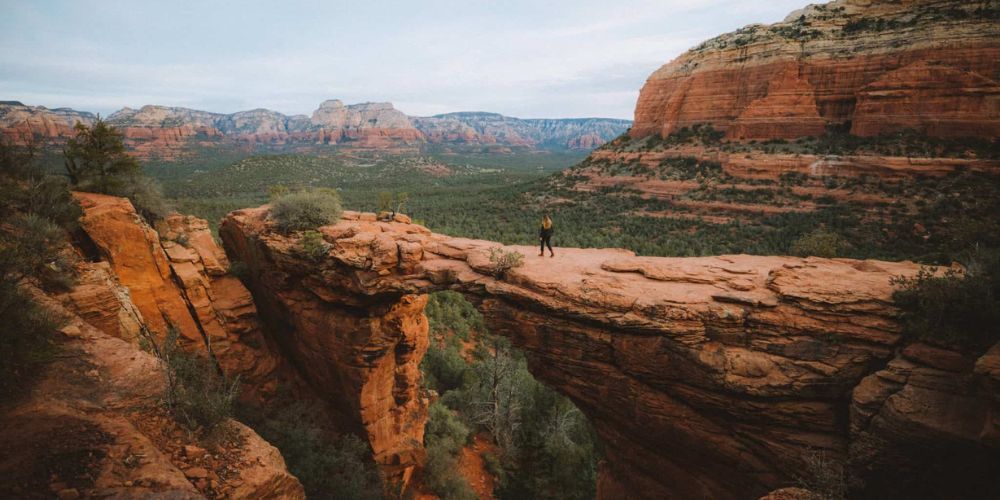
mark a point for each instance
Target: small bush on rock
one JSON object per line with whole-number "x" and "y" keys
{"x": 503, "y": 261}
{"x": 198, "y": 395}
{"x": 819, "y": 243}
{"x": 313, "y": 246}
{"x": 956, "y": 309}
{"x": 306, "y": 209}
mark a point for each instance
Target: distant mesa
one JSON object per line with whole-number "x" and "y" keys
{"x": 872, "y": 67}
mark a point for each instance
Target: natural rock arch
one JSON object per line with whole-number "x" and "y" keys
{"x": 703, "y": 377}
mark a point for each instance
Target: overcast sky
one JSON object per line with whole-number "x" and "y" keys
{"x": 530, "y": 58}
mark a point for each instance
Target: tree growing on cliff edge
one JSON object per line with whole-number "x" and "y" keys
{"x": 96, "y": 160}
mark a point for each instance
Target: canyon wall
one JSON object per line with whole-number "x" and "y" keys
{"x": 713, "y": 377}
{"x": 177, "y": 278}
{"x": 879, "y": 67}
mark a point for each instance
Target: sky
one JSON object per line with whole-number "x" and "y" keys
{"x": 524, "y": 58}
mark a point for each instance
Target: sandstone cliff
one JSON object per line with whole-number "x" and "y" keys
{"x": 710, "y": 377}
{"x": 928, "y": 65}
{"x": 181, "y": 281}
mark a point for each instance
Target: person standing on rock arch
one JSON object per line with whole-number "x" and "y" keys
{"x": 545, "y": 236}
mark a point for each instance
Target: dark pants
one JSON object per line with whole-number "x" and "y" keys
{"x": 546, "y": 241}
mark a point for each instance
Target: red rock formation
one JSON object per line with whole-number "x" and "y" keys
{"x": 760, "y": 165}
{"x": 924, "y": 64}
{"x": 932, "y": 405}
{"x": 179, "y": 277}
{"x": 931, "y": 97}
{"x": 89, "y": 420}
{"x": 103, "y": 302}
{"x": 790, "y": 103}
{"x": 588, "y": 141}
{"x": 133, "y": 250}
{"x": 704, "y": 377}
{"x": 19, "y": 123}
{"x": 361, "y": 353}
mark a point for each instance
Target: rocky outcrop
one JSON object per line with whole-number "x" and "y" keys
{"x": 133, "y": 251}
{"x": 928, "y": 406}
{"x": 92, "y": 426}
{"x": 933, "y": 97}
{"x": 177, "y": 278}
{"x": 704, "y": 377}
{"x": 361, "y": 353}
{"x": 928, "y": 65}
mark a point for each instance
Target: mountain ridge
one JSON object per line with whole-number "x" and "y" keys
{"x": 157, "y": 130}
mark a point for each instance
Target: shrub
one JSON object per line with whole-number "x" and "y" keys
{"x": 145, "y": 195}
{"x": 956, "y": 309}
{"x": 36, "y": 247}
{"x": 384, "y": 201}
{"x": 96, "y": 160}
{"x": 819, "y": 243}
{"x": 445, "y": 369}
{"x": 445, "y": 436}
{"x": 445, "y": 429}
{"x": 503, "y": 261}
{"x": 449, "y": 311}
{"x": 25, "y": 338}
{"x": 823, "y": 476}
{"x": 306, "y": 209}
{"x": 198, "y": 395}
{"x": 313, "y": 246}
{"x": 328, "y": 466}
{"x": 277, "y": 191}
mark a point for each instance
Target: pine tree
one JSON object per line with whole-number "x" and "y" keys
{"x": 96, "y": 159}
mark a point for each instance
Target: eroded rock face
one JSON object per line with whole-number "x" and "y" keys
{"x": 19, "y": 122}
{"x": 928, "y": 65}
{"x": 928, "y": 406}
{"x": 178, "y": 277}
{"x": 360, "y": 352}
{"x": 704, "y": 377}
{"x": 89, "y": 418}
{"x": 132, "y": 248}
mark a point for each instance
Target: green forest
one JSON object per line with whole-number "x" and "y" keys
{"x": 501, "y": 198}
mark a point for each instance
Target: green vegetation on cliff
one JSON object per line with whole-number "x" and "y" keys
{"x": 38, "y": 215}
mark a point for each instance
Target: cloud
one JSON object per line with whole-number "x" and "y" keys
{"x": 524, "y": 58}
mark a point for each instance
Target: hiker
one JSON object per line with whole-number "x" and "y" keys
{"x": 545, "y": 235}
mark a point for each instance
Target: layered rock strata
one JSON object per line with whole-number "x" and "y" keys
{"x": 879, "y": 67}
{"x": 704, "y": 377}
